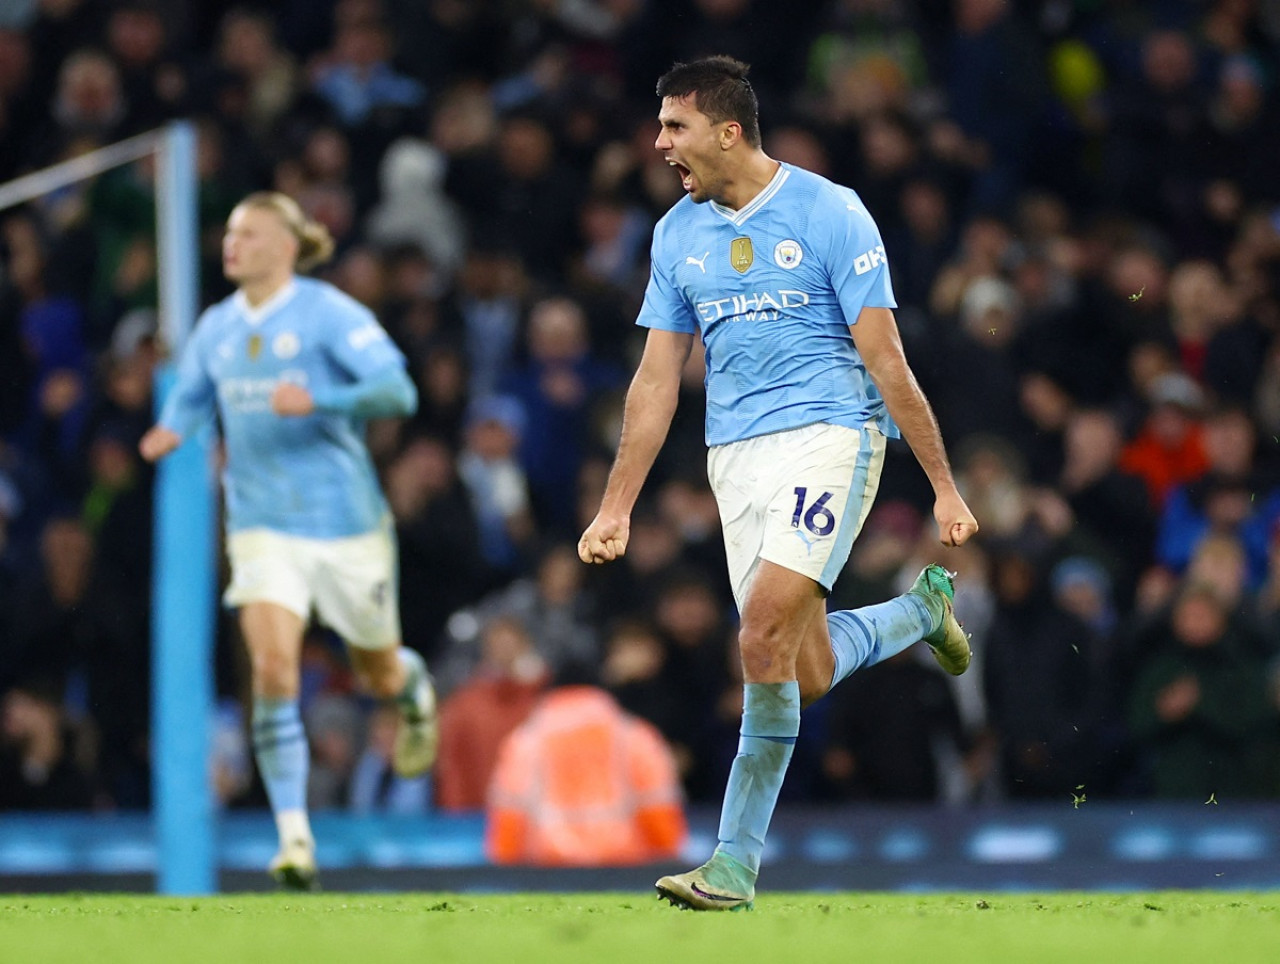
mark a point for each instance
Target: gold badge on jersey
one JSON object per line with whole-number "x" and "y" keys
{"x": 255, "y": 347}
{"x": 741, "y": 256}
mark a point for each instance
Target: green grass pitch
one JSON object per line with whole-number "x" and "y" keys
{"x": 1086, "y": 928}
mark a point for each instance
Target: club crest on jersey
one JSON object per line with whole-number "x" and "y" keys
{"x": 741, "y": 255}
{"x": 254, "y": 347}
{"x": 787, "y": 254}
{"x": 286, "y": 345}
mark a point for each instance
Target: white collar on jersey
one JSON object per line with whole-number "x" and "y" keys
{"x": 255, "y": 315}
{"x": 756, "y": 203}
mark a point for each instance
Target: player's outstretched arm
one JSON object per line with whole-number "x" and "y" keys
{"x": 878, "y": 342}
{"x": 651, "y": 404}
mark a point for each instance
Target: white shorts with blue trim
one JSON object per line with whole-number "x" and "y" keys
{"x": 350, "y": 582}
{"x": 796, "y": 498}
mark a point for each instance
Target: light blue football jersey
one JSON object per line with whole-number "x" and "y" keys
{"x": 310, "y": 475}
{"x": 773, "y": 289}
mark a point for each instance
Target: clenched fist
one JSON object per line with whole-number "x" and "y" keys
{"x": 605, "y": 539}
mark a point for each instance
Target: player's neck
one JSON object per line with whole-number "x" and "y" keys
{"x": 754, "y": 177}
{"x": 261, "y": 290}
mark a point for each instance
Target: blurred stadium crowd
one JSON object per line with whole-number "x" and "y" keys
{"x": 1080, "y": 200}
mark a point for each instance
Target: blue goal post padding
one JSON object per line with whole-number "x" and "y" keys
{"x": 184, "y": 580}
{"x": 184, "y": 583}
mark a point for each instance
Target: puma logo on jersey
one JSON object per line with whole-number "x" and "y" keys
{"x": 700, "y": 262}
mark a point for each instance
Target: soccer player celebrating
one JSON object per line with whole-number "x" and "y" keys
{"x": 295, "y": 367}
{"x": 784, "y": 275}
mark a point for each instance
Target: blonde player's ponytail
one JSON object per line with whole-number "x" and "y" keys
{"x": 315, "y": 244}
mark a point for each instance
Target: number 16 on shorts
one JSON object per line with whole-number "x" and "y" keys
{"x": 814, "y": 516}
{"x": 817, "y": 541}
{"x": 795, "y": 498}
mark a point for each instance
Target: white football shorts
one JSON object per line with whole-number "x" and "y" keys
{"x": 797, "y": 498}
{"x": 350, "y": 582}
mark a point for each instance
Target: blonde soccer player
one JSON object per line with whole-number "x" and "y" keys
{"x": 294, "y": 367}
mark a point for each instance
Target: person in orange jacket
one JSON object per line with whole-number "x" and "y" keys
{"x": 582, "y": 782}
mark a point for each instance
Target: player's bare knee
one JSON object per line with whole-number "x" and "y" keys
{"x": 275, "y": 684}
{"x": 274, "y": 674}
{"x": 761, "y": 652}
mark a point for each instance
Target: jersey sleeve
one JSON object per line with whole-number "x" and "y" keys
{"x": 355, "y": 340}
{"x": 190, "y": 402}
{"x": 665, "y": 306}
{"x": 855, "y": 258}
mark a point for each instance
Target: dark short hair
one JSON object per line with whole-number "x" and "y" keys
{"x": 724, "y": 93}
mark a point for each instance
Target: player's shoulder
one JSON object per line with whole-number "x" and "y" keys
{"x": 221, "y": 308}
{"x": 320, "y": 292}
{"x": 834, "y": 212}
{"x": 685, "y": 225}
{"x": 331, "y": 301}
{"x": 678, "y": 218}
{"x": 217, "y": 314}
{"x": 805, "y": 179}
{"x": 830, "y": 200}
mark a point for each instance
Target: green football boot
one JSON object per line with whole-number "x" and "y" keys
{"x": 722, "y": 883}
{"x": 418, "y": 734}
{"x": 949, "y": 642}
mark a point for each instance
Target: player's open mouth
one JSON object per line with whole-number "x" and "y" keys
{"x": 686, "y": 175}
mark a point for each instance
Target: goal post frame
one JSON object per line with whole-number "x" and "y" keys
{"x": 183, "y": 582}
{"x": 184, "y": 546}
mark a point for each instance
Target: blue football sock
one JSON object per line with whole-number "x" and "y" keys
{"x": 770, "y": 725}
{"x": 280, "y": 746}
{"x": 866, "y": 636}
